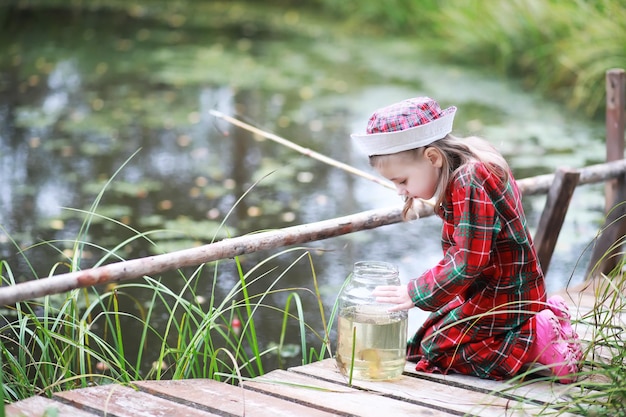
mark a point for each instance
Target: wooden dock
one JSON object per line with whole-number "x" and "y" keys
{"x": 317, "y": 389}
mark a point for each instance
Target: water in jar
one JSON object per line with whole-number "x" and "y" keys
{"x": 379, "y": 341}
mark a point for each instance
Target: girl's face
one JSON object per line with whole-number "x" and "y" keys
{"x": 414, "y": 177}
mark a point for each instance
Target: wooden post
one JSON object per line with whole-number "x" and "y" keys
{"x": 606, "y": 254}
{"x": 615, "y": 97}
{"x": 553, "y": 215}
{"x": 607, "y": 250}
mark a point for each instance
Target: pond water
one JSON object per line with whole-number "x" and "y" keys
{"x": 108, "y": 113}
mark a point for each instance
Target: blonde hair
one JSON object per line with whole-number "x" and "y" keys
{"x": 457, "y": 152}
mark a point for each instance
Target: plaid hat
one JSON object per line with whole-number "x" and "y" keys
{"x": 409, "y": 124}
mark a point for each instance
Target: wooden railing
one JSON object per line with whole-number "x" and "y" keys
{"x": 559, "y": 187}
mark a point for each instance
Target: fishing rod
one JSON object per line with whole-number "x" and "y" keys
{"x": 309, "y": 152}
{"x": 302, "y": 150}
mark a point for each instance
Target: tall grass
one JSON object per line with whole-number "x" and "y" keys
{"x": 600, "y": 388}
{"x": 82, "y": 337}
{"x": 105, "y": 335}
{"x": 603, "y": 379}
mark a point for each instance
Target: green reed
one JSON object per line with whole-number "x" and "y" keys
{"x": 80, "y": 338}
{"x": 603, "y": 378}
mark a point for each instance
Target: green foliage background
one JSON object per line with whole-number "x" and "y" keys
{"x": 559, "y": 48}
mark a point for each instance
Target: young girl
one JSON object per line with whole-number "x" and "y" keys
{"x": 490, "y": 316}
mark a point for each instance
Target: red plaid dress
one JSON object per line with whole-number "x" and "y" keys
{"x": 486, "y": 287}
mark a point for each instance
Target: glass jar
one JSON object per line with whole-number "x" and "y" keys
{"x": 371, "y": 340}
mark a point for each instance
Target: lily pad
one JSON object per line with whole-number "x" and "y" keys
{"x": 287, "y": 350}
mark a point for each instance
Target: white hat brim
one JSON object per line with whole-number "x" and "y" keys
{"x": 415, "y": 137}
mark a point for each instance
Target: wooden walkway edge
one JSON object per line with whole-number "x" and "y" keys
{"x": 317, "y": 389}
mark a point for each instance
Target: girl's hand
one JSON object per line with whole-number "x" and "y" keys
{"x": 394, "y": 294}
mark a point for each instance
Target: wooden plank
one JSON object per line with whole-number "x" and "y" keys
{"x": 121, "y": 401}
{"x": 553, "y": 215}
{"x": 39, "y": 406}
{"x": 465, "y": 395}
{"x": 225, "y": 398}
{"x": 536, "y": 391}
{"x": 334, "y": 398}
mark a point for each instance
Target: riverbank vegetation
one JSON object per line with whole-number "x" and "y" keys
{"x": 561, "y": 49}
{"x": 604, "y": 379}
